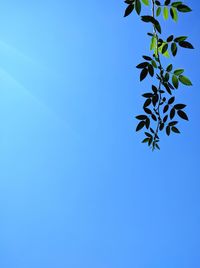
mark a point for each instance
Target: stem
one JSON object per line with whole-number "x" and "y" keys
{"x": 161, "y": 76}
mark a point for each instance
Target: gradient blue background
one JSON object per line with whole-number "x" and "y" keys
{"x": 77, "y": 188}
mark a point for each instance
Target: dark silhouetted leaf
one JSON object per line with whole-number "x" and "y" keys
{"x": 141, "y": 117}
{"x": 175, "y": 130}
{"x": 179, "y": 106}
{"x": 140, "y": 125}
{"x": 172, "y": 113}
{"x": 171, "y": 100}
{"x": 186, "y": 44}
{"x": 183, "y": 8}
{"x": 183, "y": 115}
{"x": 168, "y": 130}
{"x": 143, "y": 74}
{"x": 129, "y": 10}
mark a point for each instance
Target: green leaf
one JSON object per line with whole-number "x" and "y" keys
{"x": 175, "y": 81}
{"x": 164, "y": 48}
{"x": 177, "y": 3}
{"x": 169, "y": 68}
{"x": 178, "y": 71}
{"x": 153, "y": 43}
{"x": 165, "y": 13}
{"x": 183, "y": 115}
{"x": 174, "y": 49}
{"x": 154, "y": 64}
{"x": 158, "y": 11}
{"x": 183, "y": 8}
{"x": 174, "y": 14}
{"x": 140, "y": 125}
{"x": 180, "y": 38}
{"x": 184, "y": 80}
{"x": 138, "y": 6}
{"x": 146, "y": 2}
{"x": 129, "y": 10}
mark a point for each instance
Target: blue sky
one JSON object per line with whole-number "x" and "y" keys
{"x": 77, "y": 188}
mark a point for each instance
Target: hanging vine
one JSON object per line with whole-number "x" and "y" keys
{"x": 161, "y": 113}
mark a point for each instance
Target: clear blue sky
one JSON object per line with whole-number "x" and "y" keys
{"x": 77, "y": 188}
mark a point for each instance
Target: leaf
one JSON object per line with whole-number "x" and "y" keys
{"x": 174, "y": 49}
{"x": 164, "y": 48}
{"x": 180, "y": 38}
{"x": 154, "y": 117}
{"x": 145, "y": 140}
{"x": 157, "y": 146}
{"x": 146, "y": 2}
{"x": 141, "y": 117}
{"x": 147, "y": 122}
{"x": 178, "y": 71}
{"x": 158, "y": 11}
{"x": 143, "y": 74}
{"x": 153, "y": 21}
{"x": 186, "y": 44}
{"x": 179, "y": 106}
{"x": 151, "y": 70}
{"x": 158, "y": 3}
{"x": 175, "y": 130}
{"x": 184, "y": 80}
{"x": 167, "y": 2}
{"x": 158, "y": 27}
{"x": 142, "y": 65}
{"x": 138, "y": 6}
{"x": 129, "y": 10}
{"x": 165, "y": 13}
{"x": 174, "y": 14}
{"x": 175, "y": 4}
{"x": 169, "y": 68}
{"x": 148, "y": 111}
{"x": 168, "y": 130}
{"x": 147, "y": 102}
{"x": 173, "y": 123}
{"x": 140, "y": 125}
{"x": 166, "y": 108}
{"x": 183, "y": 8}
{"x": 147, "y": 95}
{"x": 170, "y": 38}
{"x": 148, "y": 135}
{"x": 147, "y": 58}
{"x": 175, "y": 81}
{"x": 153, "y": 43}
{"x": 165, "y": 118}
{"x": 183, "y": 115}
{"x": 172, "y": 113}
{"x": 171, "y": 100}
{"x": 154, "y": 64}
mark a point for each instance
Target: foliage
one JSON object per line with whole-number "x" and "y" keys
{"x": 161, "y": 113}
